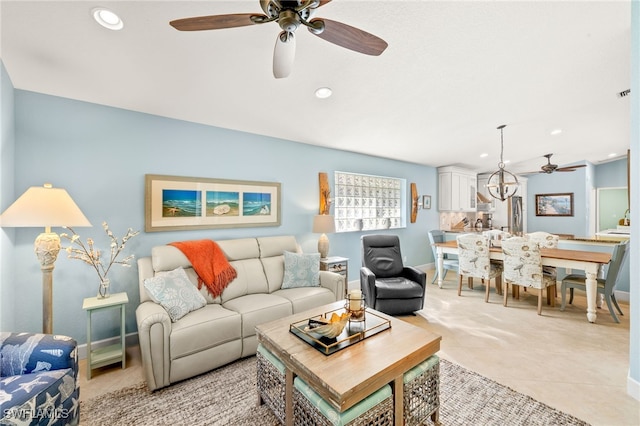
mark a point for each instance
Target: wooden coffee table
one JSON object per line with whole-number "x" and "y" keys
{"x": 351, "y": 374}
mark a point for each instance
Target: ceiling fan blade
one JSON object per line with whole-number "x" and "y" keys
{"x": 284, "y": 53}
{"x": 570, "y": 168}
{"x": 350, "y": 37}
{"x": 214, "y": 22}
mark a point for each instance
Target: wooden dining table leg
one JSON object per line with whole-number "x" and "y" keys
{"x": 440, "y": 266}
{"x": 591, "y": 286}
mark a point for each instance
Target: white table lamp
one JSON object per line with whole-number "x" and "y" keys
{"x": 323, "y": 224}
{"x": 45, "y": 206}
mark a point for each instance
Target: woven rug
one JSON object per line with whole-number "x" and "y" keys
{"x": 227, "y": 396}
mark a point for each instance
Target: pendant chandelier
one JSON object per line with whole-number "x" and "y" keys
{"x": 502, "y": 184}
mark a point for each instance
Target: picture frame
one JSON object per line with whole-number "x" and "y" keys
{"x": 426, "y": 201}
{"x": 178, "y": 203}
{"x": 560, "y": 204}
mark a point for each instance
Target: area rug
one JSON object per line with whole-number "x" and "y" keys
{"x": 227, "y": 396}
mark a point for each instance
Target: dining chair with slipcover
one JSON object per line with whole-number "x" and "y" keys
{"x": 387, "y": 285}
{"x": 606, "y": 286}
{"x": 448, "y": 264}
{"x": 496, "y": 234}
{"x": 545, "y": 240}
{"x": 474, "y": 262}
{"x": 523, "y": 267}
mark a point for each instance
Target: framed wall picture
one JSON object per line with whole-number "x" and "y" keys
{"x": 176, "y": 203}
{"x": 426, "y": 201}
{"x": 554, "y": 204}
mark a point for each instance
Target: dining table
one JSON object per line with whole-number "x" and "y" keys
{"x": 588, "y": 261}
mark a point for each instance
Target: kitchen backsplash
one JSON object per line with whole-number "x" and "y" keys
{"x": 448, "y": 220}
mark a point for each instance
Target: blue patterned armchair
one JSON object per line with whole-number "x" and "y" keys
{"x": 38, "y": 379}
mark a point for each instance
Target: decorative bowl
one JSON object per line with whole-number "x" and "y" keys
{"x": 332, "y": 329}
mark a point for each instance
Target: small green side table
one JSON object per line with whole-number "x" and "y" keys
{"x": 112, "y": 353}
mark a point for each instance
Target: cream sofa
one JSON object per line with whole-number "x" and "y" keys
{"x": 223, "y": 330}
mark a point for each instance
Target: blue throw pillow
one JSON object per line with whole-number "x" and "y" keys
{"x": 301, "y": 270}
{"x": 177, "y": 295}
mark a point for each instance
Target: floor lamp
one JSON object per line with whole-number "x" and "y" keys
{"x": 45, "y": 206}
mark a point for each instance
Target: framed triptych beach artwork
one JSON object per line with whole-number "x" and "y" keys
{"x": 176, "y": 203}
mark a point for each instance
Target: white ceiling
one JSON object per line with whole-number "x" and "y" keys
{"x": 452, "y": 73}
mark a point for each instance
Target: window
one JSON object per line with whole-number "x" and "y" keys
{"x": 365, "y": 202}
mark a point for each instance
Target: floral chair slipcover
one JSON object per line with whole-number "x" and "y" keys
{"x": 474, "y": 262}
{"x": 38, "y": 379}
{"x": 496, "y": 234}
{"x": 545, "y": 240}
{"x": 523, "y": 266}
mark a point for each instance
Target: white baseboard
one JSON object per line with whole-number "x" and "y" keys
{"x": 622, "y": 296}
{"x": 131, "y": 339}
{"x": 633, "y": 388}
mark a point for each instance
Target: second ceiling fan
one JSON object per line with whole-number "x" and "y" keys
{"x": 290, "y": 14}
{"x": 551, "y": 168}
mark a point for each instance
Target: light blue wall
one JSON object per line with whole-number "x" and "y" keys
{"x": 634, "y": 331}
{"x": 7, "y": 235}
{"x": 579, "y": 183}
{"x": 612, "y": 174}
{"x": 101, "y": 154}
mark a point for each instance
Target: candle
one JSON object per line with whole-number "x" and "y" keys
{"x": 355, "y": 300}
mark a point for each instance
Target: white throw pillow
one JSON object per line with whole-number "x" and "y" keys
{"x": 175, "y": 293}
{"x": 301, "y": 270}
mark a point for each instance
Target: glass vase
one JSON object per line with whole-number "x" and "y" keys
{"x": 103, "y": 289}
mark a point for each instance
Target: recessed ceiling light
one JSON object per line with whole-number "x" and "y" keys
{"x": 484, "y": 155}
{"x": 323, "y": 92}
{"x": 613, "y": 154}
{"x": 555, "y": 132}
{"x": 107, "y": 18}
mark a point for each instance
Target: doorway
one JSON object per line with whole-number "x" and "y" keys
{"x": 612, "y": 205}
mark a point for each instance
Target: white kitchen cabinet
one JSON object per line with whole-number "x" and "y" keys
{"x": 489, "y": 207}
{"x": 457, "y": 189}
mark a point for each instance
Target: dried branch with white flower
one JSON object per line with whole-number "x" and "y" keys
{"x": 91, "y": 255}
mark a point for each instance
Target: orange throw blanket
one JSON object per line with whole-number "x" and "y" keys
{"x": 210, "y": 264}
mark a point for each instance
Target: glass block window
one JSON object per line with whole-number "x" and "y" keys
{"x": 365, "y": 202}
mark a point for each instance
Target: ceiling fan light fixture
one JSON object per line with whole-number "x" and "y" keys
{"x": 107, "y": 18}
{"x": 323, "y": 92}
{"x": 502, "y": 184}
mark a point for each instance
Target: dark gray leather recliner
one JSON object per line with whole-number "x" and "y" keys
{"x": 387, "y": 285}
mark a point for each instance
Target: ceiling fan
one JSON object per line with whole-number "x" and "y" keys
{"x": 290, "y": 14}
{"x": 550, "y": 168}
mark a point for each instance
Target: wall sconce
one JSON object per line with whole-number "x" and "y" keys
{"x": 325, "y": 192}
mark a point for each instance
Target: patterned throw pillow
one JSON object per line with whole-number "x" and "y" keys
{"x": 177, "y": 295}
{"x": 301, "y": 270}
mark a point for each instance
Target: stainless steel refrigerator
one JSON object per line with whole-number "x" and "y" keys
{"x": 515, "y": 215}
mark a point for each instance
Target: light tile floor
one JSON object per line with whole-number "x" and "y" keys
{"x": 558, "y": 358}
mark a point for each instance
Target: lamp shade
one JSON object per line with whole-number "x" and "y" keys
{"x": 324, "y": 224}
{"x": 43, "y": 206}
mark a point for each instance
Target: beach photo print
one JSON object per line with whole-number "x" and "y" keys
{"x": 182, "y": 203}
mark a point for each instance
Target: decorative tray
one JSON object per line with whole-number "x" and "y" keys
{"x": 353, "y": 332}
